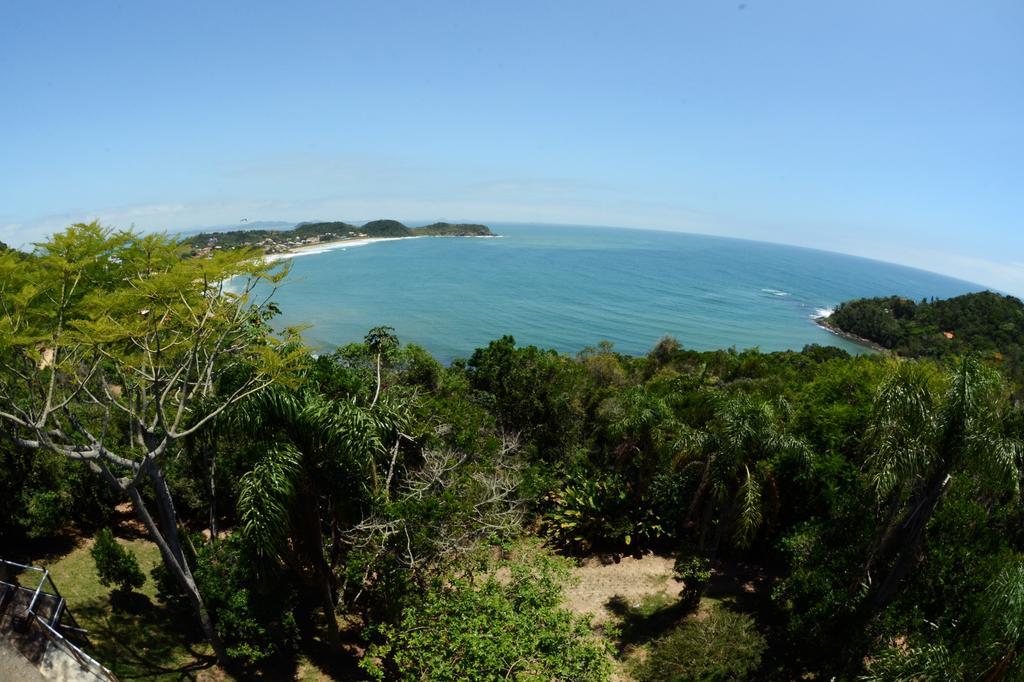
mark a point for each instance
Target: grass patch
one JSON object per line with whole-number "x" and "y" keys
{"x": 307, "y": 671}
{"x": 659, "y": 639}
{"x": 137, "y": 637}
{"x": 639, "y": 623}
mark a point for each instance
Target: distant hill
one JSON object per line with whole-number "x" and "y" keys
{"x": 276, "y": 240}
{"x": 385, "y": 228}
{"x": 985, "y": 322}
{"x": 453, "y": 230}
{"x": 393, "y": 228}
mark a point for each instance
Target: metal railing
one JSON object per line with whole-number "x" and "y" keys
{"x": 83, "y": 659}
{"x": 49, "y": 630}
{"x": 35, "y": 597}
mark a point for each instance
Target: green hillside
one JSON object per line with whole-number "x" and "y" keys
{"x": 985, "y": 322}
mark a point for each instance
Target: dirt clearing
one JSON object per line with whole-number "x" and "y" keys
{"x": 600, "y": 579}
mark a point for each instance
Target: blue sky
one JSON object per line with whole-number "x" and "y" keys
{"x": 893, "y": 130}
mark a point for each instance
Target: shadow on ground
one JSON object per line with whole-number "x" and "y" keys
{"x": 641, "y": 623}
{"x": 140, "y": 640}
{"x": 340, "y": 663}
{"x": 739, "y": 587}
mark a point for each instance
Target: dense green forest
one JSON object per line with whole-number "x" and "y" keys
{"x": 824, "y": 516}
{"x": 329, "y": 231}
{"x": 983, "y": 322}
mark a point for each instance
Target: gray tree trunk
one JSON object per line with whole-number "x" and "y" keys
{"x": 169, "y": 542}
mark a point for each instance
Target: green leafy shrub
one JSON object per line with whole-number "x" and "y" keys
{"x": 721, "y": 645}
{"x": 599, "y": 514}
{"x": 1002, "y": 614}
{"x": 116, "y": 565}
{"x": 494, "y": 629}
{"x": 531, "y": 391}
{"x": 45, "y": 511}
{"x": 815, "y": 598}
{"x": 695, "y": 573}
{"x": 419, "y": 368}
{"x": 253, "y": 617}
{"x": 908, "y": 664}
{"x": 43, "y": 494}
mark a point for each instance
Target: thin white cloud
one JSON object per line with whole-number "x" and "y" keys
{"x": 1004, "y": 276}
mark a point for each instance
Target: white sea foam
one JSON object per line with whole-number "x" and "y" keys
{"x": 823, "y": 312}
{"x": 775, "y": 292}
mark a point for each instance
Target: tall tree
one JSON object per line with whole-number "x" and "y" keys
{"x": 381, "y": 341}
{"x": 323, "y": 461}
{"x": 1002, "y": 612}
{"x": 336, "y": 477}
{"x": 732, "y": 459}
{"x": 928, "y": 430}
{"x": 111, "y": 347}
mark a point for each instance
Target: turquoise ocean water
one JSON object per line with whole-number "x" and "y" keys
{"x": 568, "y": 287}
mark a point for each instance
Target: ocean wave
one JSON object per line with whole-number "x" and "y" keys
{"x": 823, "y": 312}
{"x": 775, "y": 292}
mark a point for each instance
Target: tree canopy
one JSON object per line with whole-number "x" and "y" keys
{"x": 388, "y": 516}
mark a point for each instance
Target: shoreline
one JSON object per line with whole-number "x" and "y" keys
{"x": 859, "y": 340}
{"x": 313, "y": 249}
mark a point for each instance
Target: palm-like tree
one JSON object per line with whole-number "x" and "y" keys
{"x": 928, "y": 430}
{"x": 1002, "y": 611}
{"x": 323, "y": 463}
{"x": 1000, "y": 614}
{"x": 640, "y": 421}
{"x": 381, "y": 341}
{"x": 733, "y": 455}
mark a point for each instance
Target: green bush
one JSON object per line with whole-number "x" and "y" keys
{"x": 254, "y": 617}
{"x": 116, "y": 565}
{"x": 928, "y": 662}
{"x": 695, "y": 573}
{"x": 721, "y": 645}
{"x": 43, "y": 494}
{"x": 594, "y": 514}
{"x": 494, "y": 629}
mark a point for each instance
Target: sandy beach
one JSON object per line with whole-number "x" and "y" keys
{"x": 314, "y": 249}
